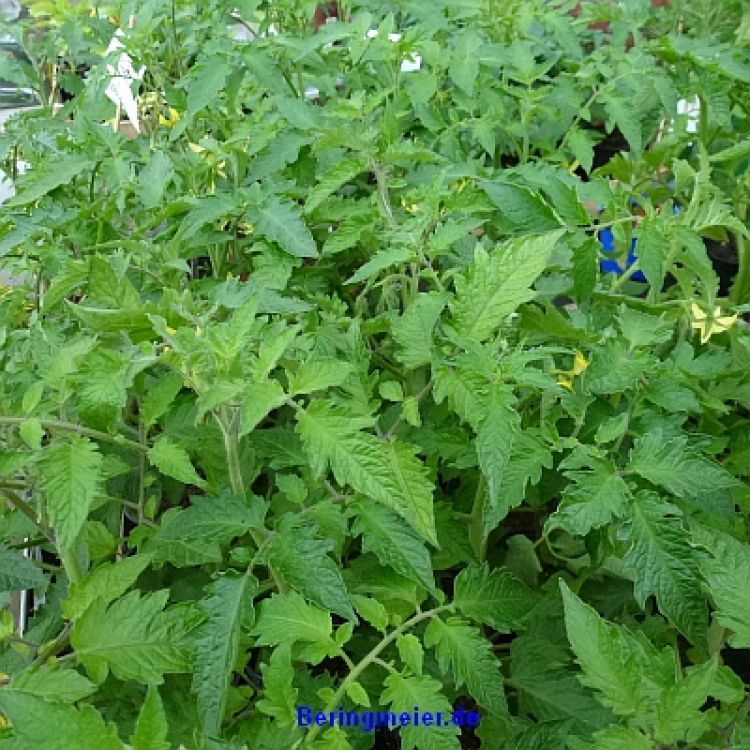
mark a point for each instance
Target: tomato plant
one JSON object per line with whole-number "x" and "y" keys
{"x": 316, "y": 396}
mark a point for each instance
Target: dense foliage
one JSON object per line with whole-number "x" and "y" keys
{"x": 315, "y": 392}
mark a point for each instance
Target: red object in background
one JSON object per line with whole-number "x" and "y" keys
{"x": 604, "y": 25}
{"x": 324, "y": 12}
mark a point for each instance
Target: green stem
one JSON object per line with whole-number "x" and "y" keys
{"x": 384, "y": 199}
{"x": 740, "y": 292}
{"x": 229, "y": 425}
{"x": 54, "y": 424}
{"x": 23, "y": 507}
{"x": 369, "y": 659}
{"x": 620, "y": 280}
{"x": 703, "y": 120}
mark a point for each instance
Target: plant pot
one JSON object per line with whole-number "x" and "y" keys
{"x": 613, "y": 143}
{"x": 725, "y": 261}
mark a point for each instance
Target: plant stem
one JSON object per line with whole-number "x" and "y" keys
{"x": 369, "y": 659}
{"x": 384, "y": 199}
{"x": 54, "y": 424}
{"x": 740, "y": 292}
{"x": 23, "y": 507}
{"x": 625, "y": 276}
{"x": 229, "y": 425}
{"x": 176, "y": 50}
{"x": 54, "y": 647}
{"x": 703, "y": 120}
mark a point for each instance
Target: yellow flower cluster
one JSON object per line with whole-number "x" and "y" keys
{"x": 565, "y": 377}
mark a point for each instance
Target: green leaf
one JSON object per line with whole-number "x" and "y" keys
{"x": 674, "y": 466}
{"x": 582, "y": 147}
{"x": 464, "y": 61}
{"x": 174, "y": 461}
{"x": 319, "y": 374}
{"x": 333, "y": 178}
{"x": 566, "y": 203}
{"x": 31, "y": 433}
{"x": 612, "y": 428}
{"x": 70, "y": 476}
{"x": 403, "y": 694}
{"x": 38, "y": 182}
{"x": 383, "y": 259}
{"x": 206, "y": 210}
{"x": 206, "y": 82}
{"x": 288, "y": 618}
{"x": 229, "y": 608}
{"x": 497, "y": 284}
{"x": 737, "y": 151}
{"x": 393, "y": 543}
{"x": 410, "y": 651}
{"x": 371, "y": 610}
{"x": 65, "y": 685}
{"x": 624, "y": 667}
{"x": 133, "y": 637}
{"x": 18, "y": 572}
{"x": 281, "y": 222}
{"x": 525, "y": 208}
{"x": 348, "y": 233}
{"x": 593, "y": 500}
{"x": 413, "y": 330}
{"x": 653, "y": 250}
{"x": 616, "y": 738}
{"x": 151, "y": 726}
{"x": 528, "y": 458}
{"x": 622, "y": 113}
{"x": 279, "y": 695}
{"x": 154, "y": 178}
{"x": 679, "y": 717}
{"x": 258, "y": 400}
{"x": 107, "y": 582}
{"x": 495, "y": 598}
{"x": 495, "y": 439}
{"x": 357, "y": 694}
{"x": 547, "y": 688}
{"x": 671, "y": 396}
{"x": 195, "y": 535}
{"x": 159, "y": 397}
{"x": 39, "y": 723}
{"x": 727, "y": 572}
{"x": 461, "y": 650}
{"x": 666, "y": 564}
{"x": 388, "y": 472}
{"x": 295, "y": 551}
{"x": 391, "y": 390}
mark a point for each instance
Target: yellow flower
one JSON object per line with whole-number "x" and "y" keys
{"x": 4, "y": 722}
{"x": 171, "y": 331}
{"x": 709, "y": 324}
{"x": 171, "y": 120}
{"x": 195, "y": 148}
{"x": 572, "y": 168}
{"x": 580, "y": 363}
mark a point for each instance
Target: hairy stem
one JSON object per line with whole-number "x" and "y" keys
{"x": 54, "y": 424}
